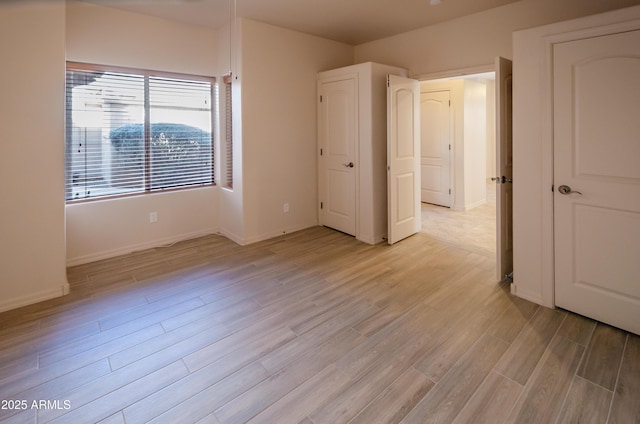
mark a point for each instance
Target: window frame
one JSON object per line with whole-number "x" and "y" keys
{"x": 146, "y": 73}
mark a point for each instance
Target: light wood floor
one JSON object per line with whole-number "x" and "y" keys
{"x": 310, "y": 327}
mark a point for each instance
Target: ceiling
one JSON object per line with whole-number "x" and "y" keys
{"x": 349, "y": 21}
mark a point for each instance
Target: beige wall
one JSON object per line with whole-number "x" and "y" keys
{"x": 97, "y": 230}
{"x": 475, "y": 39}
{"x": 491, "y": 129}
{"x": 32, "y": 251}
{"x": 114, "y": 37}
{"x": 475, "y": 144}
{"x": 278, "y": 84}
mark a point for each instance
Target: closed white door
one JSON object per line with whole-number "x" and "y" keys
{"x": 403, "y": 157}
{"x": 337, "y": 135}
{"x": 435, "y": 148}
{"x": 597, "y": 178}
{"x": 504, "y": 168}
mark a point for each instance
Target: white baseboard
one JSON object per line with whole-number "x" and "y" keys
{"x": 232, "y": 236}
{"x": 97, "y": 256}
{"x": 31, "y": 298}
{"x": 527, "y": 295}
{"x": 468, "y": 207}
{"x": 373, "y": 240}
{"x": 270, "y": 235}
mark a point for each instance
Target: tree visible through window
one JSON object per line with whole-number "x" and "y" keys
{"x": 131, "y": 131}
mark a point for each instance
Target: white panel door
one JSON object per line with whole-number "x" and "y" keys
{"x": 337, "y": 130}
{"x": 504, "y": 168}
{"x": 435, "y": 153}
{"x": 403, "y": 157}
{"x": 597, "y": 178}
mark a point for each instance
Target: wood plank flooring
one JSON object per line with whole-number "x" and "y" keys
{"x": 311, "y": 327}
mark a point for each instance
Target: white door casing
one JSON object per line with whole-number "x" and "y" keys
{"x": 403, "y": 157}
{"x": 435, "y": 150}
{"x": 597, "y": 177}
{"x": 337, "y": 131}
{"x": 504, "y": 168}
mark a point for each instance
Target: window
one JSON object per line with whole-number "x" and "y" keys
{"x": 130, "y": 131}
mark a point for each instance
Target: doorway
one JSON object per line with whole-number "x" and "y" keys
{"x": 469, "y": 218}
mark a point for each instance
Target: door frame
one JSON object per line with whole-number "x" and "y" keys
{"x": 534, "y": 250}
{"x": 443, "y": 85}
{"x": 504, "y": 168}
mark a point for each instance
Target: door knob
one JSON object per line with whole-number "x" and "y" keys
{"x": 502, "y": 180}
{"x": 565, "y": 189}
{"x": 348, "y": 165}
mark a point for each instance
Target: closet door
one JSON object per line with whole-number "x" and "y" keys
{"x": 337, "y": 127}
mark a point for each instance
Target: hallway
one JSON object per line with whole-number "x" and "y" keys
{"x": 473, "y": 230}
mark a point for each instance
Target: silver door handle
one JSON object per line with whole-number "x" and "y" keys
{"x": 565, "y": 189}
{"x": 348, "y": 165}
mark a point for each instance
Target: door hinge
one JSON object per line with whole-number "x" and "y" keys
{"x": 388, "y": 81}
{"x": 320, "y": 99}
{"x": 449, "y": 103}
{"x": 321, "y": 152}
{"x": 552, "y": 188}
{"x": 449, "y": 146}
{"x": 321, "y": 205}
{"x": 449, "y": 191}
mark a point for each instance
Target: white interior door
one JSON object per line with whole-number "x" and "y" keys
{"x": 435, "y": 149}
{"x": 337, "y": 135}
{"x": 597, "y": 178}
{"x": 403, "y": 157}
{"x": 504, "y": 168}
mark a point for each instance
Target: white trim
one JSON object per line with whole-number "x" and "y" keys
{"x": 452, "y": 73}
{"x": 92, "y": 257}
{"x": 32, "y": 298}
{"x": 232, "y": 236}
{"x": 468, "y": 207}
{"x": 531, "y": 296}
{"x": 273, "y": 234}
{"x": 375, "y": 239}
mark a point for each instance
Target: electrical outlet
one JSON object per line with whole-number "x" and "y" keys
{"x": 285, "y": 208}
{"x": 153, "y": 217}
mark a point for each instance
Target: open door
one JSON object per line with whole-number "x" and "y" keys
{"x": 403, "y": 157}
{"x": 504, "y": 169}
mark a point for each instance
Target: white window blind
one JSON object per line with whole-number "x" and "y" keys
{"x": 228, "y": 145}
{"x": 130, "y": 131}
